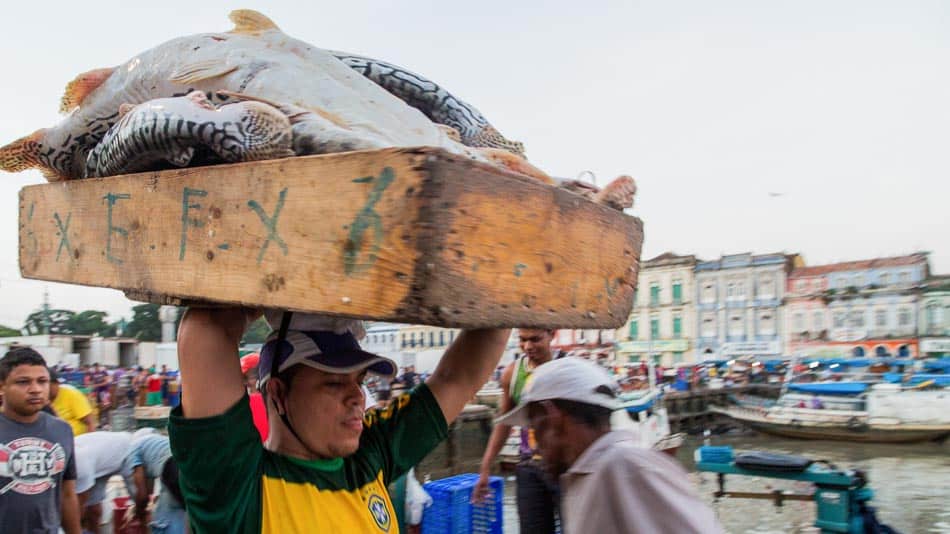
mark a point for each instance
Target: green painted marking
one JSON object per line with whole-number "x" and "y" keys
{"x": 112, "y": 198}
{"x": 224, "y": 246}
{"x": 63, "y": 233}
{"x": 366, "y": 218}
{"x": 270, "y": 223}
{"x": 519, "y": 269}
{"x": 185, "y": 220}
{"x": 29, "y": 233}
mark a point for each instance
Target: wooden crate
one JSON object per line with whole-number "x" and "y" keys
{"x": 403, "y": 235}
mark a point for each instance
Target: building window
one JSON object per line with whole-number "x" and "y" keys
{"x": 654, "y": 328}
{"x": 634, "y": 329}
{"x": 636, "y": 293}
{"x": 903, "y": 317}
{"x": 880, "y": 318}
{"x": 840, "y": 319}
{"x": 857, "y": 280}
{"x": 818, "y": 321}
{"x": 709, "y": 292}
{"x": 736, "y": 326}
{"x": 884, "y": 279}
{"x": 654, "y": 294}
{"x": 431, "y": 339}
{"x": 677, "y": 326}
{"x": 677, "y": 292}
{"x": 903, "y": 277}
{"x": 766, "y": 287}
{"x": 392, "y": 338}
{"x": 933, "y": 318}
{"x": 798, "y": 322}
{"x": 452, "y": 336}
{"x": 709, "y": 325}
{"x": 856, "y": 319}
{"x": 799, "y": 286}
{"x": 677, "y": 357}
{"x": 441, "y": 338}
{"x": 403, "y": 340}
{"x": 766, "y": 324}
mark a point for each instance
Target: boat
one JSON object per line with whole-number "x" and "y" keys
{"x": 885, "y": 413}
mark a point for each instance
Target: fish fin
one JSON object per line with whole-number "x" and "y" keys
{"x": 250, "y": 21}
{"x": 202, "y": 70}
{"x": 513, "y": 162}
{"x": 294, "y": 114}
{"x": 125, "y": 108}
{"x": 22, "y": 154}
{"x": 81, "y": 86}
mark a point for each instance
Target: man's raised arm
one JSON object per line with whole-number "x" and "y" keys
{"x": 465, "y": 367}
{"x": 211, "y": 380}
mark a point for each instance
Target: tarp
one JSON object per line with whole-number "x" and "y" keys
{"x": 831, "y": 388}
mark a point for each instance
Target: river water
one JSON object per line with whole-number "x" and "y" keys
{"x": 911, "y": 483}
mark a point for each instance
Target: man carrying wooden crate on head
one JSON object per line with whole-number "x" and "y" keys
{"x": 325, "y": 466}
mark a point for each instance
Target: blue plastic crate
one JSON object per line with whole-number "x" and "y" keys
{"x": 452, "y": 513}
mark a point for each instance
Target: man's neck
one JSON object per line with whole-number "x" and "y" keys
{"x": 13, "y": 416}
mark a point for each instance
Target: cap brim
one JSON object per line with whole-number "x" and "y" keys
{"x": 516, "y": 417}
{"x": 350, "y": 361}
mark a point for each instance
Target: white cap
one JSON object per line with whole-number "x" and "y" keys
{"x": 570, "y": 378}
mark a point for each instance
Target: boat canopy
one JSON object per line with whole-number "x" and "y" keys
{"x": 831, "y": 388}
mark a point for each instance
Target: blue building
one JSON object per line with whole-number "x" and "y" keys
{"x": 739, "y": 305}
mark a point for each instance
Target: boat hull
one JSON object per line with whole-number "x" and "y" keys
{"x": 854, "y": 430}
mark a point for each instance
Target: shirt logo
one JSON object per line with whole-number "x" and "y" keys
{"x": 32, "y": 464}
{"x": 377, "y": 507}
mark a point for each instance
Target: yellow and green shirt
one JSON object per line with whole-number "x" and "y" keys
{"x": 232, "y": 484}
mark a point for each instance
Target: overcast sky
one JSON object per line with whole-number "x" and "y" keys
{"x": 843, "y": 107}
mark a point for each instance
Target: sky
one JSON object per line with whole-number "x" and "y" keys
{"x": 840, "y": 106}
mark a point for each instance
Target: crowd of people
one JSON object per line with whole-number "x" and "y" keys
{"x": 298, "y": 442}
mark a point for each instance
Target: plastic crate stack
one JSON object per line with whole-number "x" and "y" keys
{"x": 453, "y": 513}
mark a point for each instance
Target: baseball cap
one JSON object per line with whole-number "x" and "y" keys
{"x": 249, "y": 361}
{"x": 327, "y": 351}
{"x": 569, "y": 378}
{"x": 54, "y": 376}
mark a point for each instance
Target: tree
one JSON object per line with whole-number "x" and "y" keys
{"x": 6, "y": 331}
{"x": 89, "y": 323}
{"x": 59, "y": 322}
{"x": 145, "y": 325}
{"x": 257, "y": 332}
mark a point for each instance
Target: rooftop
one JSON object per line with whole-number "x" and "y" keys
{"x": 860, "y": 265}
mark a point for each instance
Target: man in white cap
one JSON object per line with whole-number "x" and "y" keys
{"x": 608, "y": 483}
{"x": 326, "y": 465}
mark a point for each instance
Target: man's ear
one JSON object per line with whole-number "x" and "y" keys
{"x": 275, "y": 392}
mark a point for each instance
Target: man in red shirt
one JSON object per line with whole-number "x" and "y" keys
{"x": 258, "y": 409}
{"x": 154, "y": 387}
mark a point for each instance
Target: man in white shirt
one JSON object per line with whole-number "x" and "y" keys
{"x": 608, "y": 483}
{"x": 99, "y": 455}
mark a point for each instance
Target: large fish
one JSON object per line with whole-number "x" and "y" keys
{"x": 173, "y": 130}
{"x": 255, "y": 58}
{"x": 441, "y": 106}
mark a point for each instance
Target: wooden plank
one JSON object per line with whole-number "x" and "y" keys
{"x": 403, "y": 235}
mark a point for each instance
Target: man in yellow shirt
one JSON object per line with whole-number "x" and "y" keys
{"x": 71, "y": 405}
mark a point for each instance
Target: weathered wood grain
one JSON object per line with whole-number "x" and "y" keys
{"x": 403, "y": 235}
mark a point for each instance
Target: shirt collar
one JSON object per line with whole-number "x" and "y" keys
{"x": 588, "y": 461}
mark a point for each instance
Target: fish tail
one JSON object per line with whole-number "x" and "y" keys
{"x": 22, "y": 154}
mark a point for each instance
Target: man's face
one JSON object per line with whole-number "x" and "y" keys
{"x": 535, "y": 344}
{"x": 26, "y": 390}
{"x": 548, "y": 424}
{"x": 326, "y": 410}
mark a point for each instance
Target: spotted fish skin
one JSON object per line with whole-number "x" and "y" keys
{"x": 171, "y": 130}
{"x": 434, "y": 101}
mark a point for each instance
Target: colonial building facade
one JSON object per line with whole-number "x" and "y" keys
{"x": 859, "y": 308}
{"x": 934, "y": 317}
{"x": 661, "y": 325}
{"x": 739, "y": 305}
